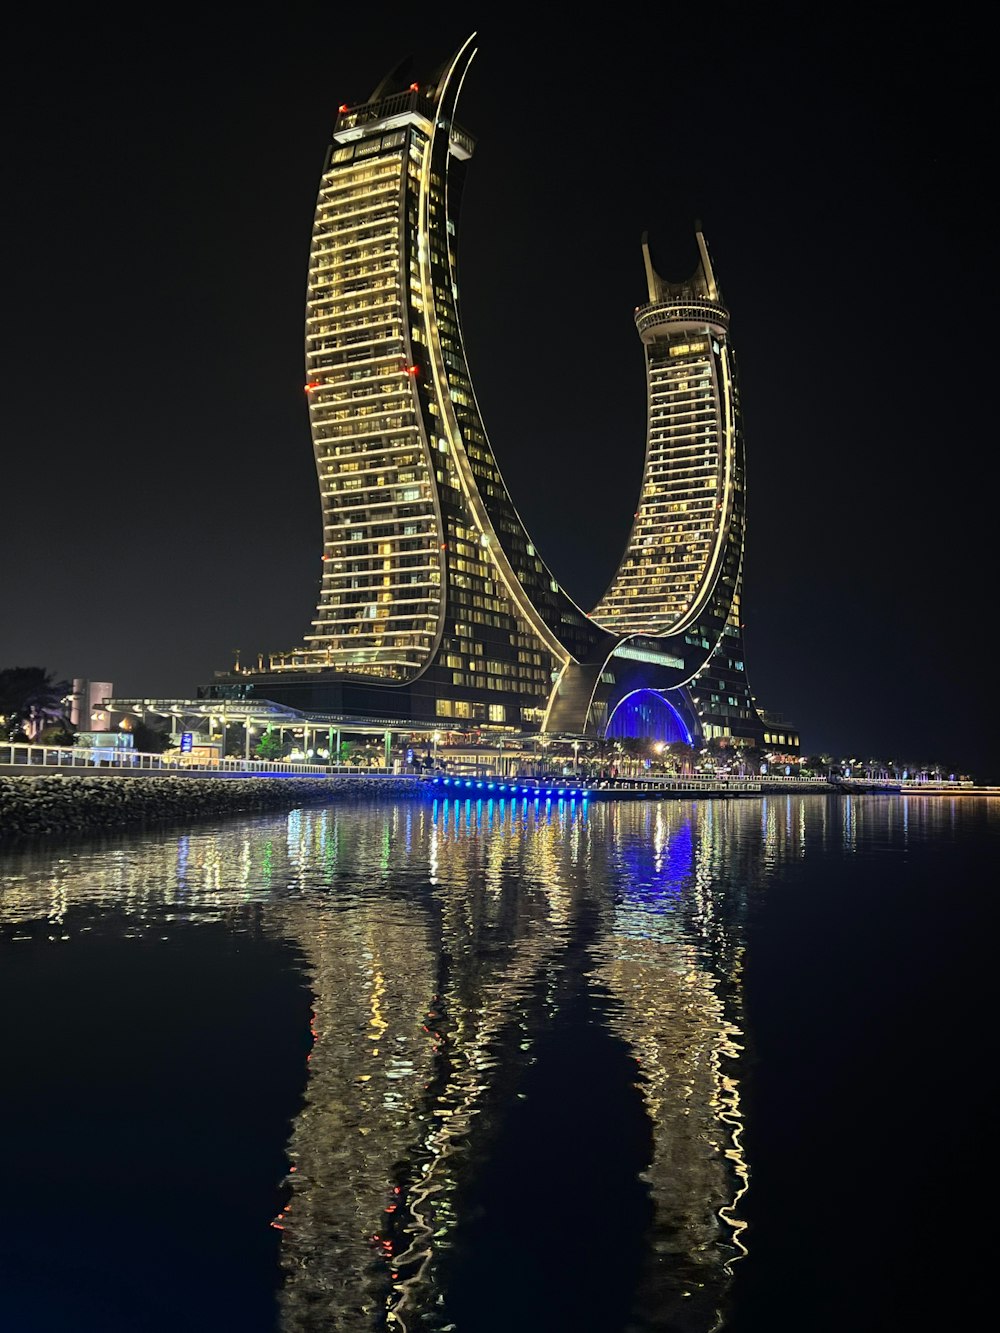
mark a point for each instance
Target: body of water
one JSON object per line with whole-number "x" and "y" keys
{"x": 484, "y": 1066}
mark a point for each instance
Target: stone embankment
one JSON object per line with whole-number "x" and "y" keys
{"x": 54, "y": 805}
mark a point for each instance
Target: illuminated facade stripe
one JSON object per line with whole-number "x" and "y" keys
{"x": 381, "y": 601}
{"x": 690, "y": 493}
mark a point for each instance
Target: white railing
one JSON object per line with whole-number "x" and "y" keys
{"x": 690, "y": 782}
{"x": 107, "y": 760}
{"x": 25, "y": 756}
{"x": 936, "y": 784}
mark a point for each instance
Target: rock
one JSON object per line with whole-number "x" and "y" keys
{"x": 56, "y": 804}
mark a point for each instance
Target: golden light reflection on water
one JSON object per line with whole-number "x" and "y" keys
{"x": 505, "y": 887}
{"x": 435, "y": 938}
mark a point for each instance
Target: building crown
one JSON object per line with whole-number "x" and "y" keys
{"x": 700, "y": 286}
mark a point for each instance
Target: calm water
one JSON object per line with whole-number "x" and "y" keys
{"x": 476, "y": 1067}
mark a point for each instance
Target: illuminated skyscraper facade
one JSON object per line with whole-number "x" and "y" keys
{"x": 431, "y": 588}
{"x": 687, "y": 537}
{"x": 434, "y": 604}
{"x": 680, "y": 578}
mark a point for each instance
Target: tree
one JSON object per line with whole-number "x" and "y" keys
{"x": 29, "y": 699}
{"x": 636, "y": 749}
{"x": 719, "y": 753}
{"x": 269, "y": 746}
{"x": 56, "y": 733}
{"x": 749, "y": 759}
{"x": 680, "y": 756}
{"x": 597, "y": 756}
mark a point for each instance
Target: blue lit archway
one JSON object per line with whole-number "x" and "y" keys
{"x": 648, "y": 713}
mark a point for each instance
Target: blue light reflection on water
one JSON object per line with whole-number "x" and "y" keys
{"x": 657, "y": 877}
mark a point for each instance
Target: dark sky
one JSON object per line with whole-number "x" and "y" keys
{"x": 158, "y": 498}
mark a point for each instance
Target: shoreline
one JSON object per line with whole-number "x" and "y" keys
{"x": 37, "y": 806}
{"x": 58, "y": 806}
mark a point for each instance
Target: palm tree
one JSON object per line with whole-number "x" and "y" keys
{"x": 681, "y": 756}
{"x": 636, "y": 749}
{"x": 29, "y": 699}
{"x": 600, "y": 753}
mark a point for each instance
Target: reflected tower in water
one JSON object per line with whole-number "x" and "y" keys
{"x": 438, "y": 942}
{"x": 447, "y": 948}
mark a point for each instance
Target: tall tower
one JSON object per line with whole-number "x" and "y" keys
{"x": 680, "y": 577}
{"x": 430, "y": 584}
{"x": 686, "y": 540}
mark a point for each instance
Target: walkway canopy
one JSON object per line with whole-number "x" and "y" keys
{"x": 261, "y": 713}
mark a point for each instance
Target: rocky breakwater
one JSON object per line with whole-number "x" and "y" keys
{"x": 56, "y": 805}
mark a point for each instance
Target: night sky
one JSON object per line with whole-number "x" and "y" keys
{"x": 158, "y": 495}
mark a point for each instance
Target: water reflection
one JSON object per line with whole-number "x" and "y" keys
{"x": 445, "y": 946}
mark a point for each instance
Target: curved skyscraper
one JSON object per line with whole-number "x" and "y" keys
{"x": 681, "y": 575}
{"x": 434, "y": 604}
{"x": 683, "y": 557}
{"x": 429, "y": 580}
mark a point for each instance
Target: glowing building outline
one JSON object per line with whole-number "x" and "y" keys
{"x": 435, "y": 606}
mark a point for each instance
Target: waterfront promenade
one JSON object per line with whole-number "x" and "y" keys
{"x": 23, "y": 759}
{"x": 51, "y": 792}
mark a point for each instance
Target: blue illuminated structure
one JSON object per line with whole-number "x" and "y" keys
{"x": 649, "y": 713}
{"x": 526, "y": 790}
